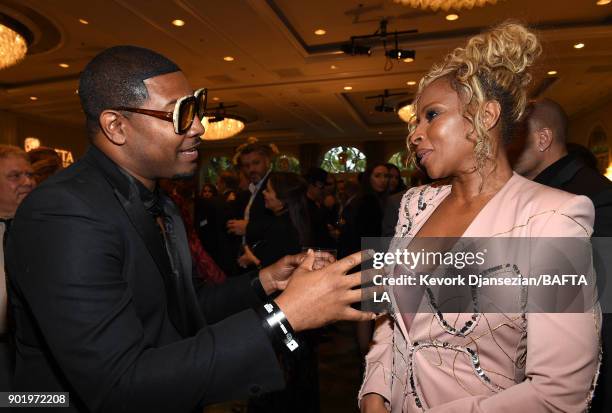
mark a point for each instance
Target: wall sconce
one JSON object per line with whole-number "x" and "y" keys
{"x": 31, "y": 143}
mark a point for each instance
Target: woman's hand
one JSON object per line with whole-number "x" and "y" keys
{"x": 373, "y": 403}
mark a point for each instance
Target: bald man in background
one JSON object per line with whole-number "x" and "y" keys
{"x": 542, "y": 156}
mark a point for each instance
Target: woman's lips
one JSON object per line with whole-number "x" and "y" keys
{"x": 423, "y": 155}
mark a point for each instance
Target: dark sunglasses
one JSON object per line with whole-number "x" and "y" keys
{"x": 185, "y": 110}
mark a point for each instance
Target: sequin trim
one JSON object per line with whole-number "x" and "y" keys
{"x": 474, "y": 359}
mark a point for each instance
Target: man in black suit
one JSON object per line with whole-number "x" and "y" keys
{"x": 255, "y": 161}
{"x": 543, "y": 157}
{"x": 99, "y": 269}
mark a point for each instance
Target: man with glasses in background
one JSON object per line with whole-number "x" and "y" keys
{"x": 16, "y": 182}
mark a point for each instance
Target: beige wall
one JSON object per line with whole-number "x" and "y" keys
{"x": 14, "y": 128}
{"x": 583, "y": 123}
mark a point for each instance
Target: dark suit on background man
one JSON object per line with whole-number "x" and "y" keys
{"x": 390, "y": 214}
{"x": 260, "y": 217}
{"x": 95, "y": 275}
{"x": 211, "y": 216}
{"x": 572, "y": 175}
{"x": 540, "y": 152}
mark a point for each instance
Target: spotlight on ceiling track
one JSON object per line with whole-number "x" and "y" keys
{"x": 367, "y": 42}
{"x": 401, "y": 54}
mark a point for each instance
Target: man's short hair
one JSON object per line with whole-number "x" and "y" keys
{"x": 546, "y": 113}
{"x": 10, "y": 150}
{"x": 262, "y": 148}
{"x": 115, "y": 77}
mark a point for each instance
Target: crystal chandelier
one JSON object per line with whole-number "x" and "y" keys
{"x": 217, "y": 129}
{"x": 406, "y": 112}
{"x": 445, "y": 5}
{"x": 14, "y": 39}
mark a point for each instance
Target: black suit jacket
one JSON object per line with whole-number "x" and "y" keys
{"x": 101, "y": 313}
{"x": 572, "y": 175}
{"x": 211, "y": 216}
{"x": 280, "y": 239}
{"x": 363, "y": 219}
{"x": 260, "y": 217}
{"x": 391, "y": 214}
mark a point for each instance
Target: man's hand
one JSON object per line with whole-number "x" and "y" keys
{"x": 248, "y": 258}
{"x": 276, "y": 276}
{"x": 373, "y": 403}
{"x": 237, "y": 226}
{"x": 315, "y": 298}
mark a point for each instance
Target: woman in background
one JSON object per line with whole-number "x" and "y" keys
{"x": 396, "y": 183}
{"x": 362, "y": 217}
{"x": 285, "y": 196}
{"x": 209, "y": 191}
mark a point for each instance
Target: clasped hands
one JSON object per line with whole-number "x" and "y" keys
{"x": 313, "y": 294}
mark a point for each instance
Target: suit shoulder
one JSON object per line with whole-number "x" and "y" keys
{"x": 542, "y": 195}
{"x": 74, "y": 187}
{"x": 553, "y": 210}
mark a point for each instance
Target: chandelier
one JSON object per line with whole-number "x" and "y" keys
{"x": 217, "y": 129}
{"x": 445, "y": 5}
{"x": 14, "y": 39}
{"x": 406, "y": 112}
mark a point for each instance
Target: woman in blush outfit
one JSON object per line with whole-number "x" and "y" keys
{"x": 498, "y": 362}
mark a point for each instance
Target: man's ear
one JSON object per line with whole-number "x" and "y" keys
{"x": 544, "y": 139}
{"x": 113, "y": 125}
{"x": 492, "y": 112}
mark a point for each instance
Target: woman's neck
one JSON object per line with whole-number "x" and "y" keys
{"x": 475, "y": 184}
{"x": 280, "y": 212}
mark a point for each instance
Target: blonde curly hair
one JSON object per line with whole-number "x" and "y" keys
{"x": 492, "y": 66}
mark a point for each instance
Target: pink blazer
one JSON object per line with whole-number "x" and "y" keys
{"x": 516, "y": 363}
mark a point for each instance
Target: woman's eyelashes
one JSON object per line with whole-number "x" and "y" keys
{"x": 430, "y": 114}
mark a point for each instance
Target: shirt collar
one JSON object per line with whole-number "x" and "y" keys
{"x": 255, "y": 187}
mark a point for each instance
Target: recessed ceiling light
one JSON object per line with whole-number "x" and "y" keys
{"x": 578, "y": 45}
{"x": 603, "y": 2}
{"x": 551, "y": 72}
{"x": 83, "y": 21}
{"x": 178, "y": 23}
{"x": 228, "y": 58}
{"x": 348, "y": 87}
{"x": 320, "y": 32}
{"x": 380, "y": 132}
{"x": 215, "y": 98}
{"x": 333, "y": 67}
{"x": 33, "y": 98}
{"x": 411, "y": 83}
{"x": 64, "y": 65}
{"x": 452, "y": 17}
{"x": 408, "y": 60}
